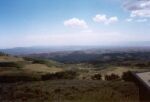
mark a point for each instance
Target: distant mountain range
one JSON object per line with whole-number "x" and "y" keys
{"x": 35, "y": 50}
{"x": 69, "y": 49}
{"x": 79, "y": 54}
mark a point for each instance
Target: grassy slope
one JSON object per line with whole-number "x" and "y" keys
{"x": 4, "y": 58}
{"x": 61, "y": 90}
{"x": 23, "y": 65}
{"x": 40, "y": 68}
{"x": 69, "y": 91}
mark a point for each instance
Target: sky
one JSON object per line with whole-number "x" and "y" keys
{"x": 26, "y": 23}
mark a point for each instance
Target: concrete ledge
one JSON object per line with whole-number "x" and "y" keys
{"x": 142, "y": 81}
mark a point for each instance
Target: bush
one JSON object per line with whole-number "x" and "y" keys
{"x": 141, "y": 65}
{"x": 127, "y": 76}
{"x": 111, "y": 77}
{"x": 11, "y": 64}
{"x": 28, "y": 58}
{"x": 96, "y": 77}
{"x": 60, "y": 75}
{"x": 39, "y": 61}
{"x": 16, "y": 78}
{"x": 48, "y": 63}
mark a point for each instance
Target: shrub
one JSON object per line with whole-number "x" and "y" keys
{"x": 141, "y": 65}
{"x": 40, "y": 61}
{"x": 48, "y": 63}
{"x": 16, "y": 78}
{"x": 11, "y": 64}
{"x": 60, "y": 75}
{"x": 127, "y": 76}
{"x": 111, "y": 77}
{"x": 96, "y": 77}
{"x": 28, "y": 58}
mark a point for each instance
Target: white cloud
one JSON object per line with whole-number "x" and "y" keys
{"x": 140, "y": 13}
{"x": 138, "y": 8}
{"x": 112, "y": 19}
{"x": 100, "y": 18}
{"x": 104, "y": 19}
{"x": 75, "y": 23}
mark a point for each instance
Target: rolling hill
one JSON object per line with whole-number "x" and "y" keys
{"x": 81, "y": 77}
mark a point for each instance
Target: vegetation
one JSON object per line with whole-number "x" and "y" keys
{"x": 11, "y": 64}
{"x": 69, "y": 91}
{"x": 48, "y": 63}
{"x": 96, "y": 77}
{"x": 127, "y": 76}
{"x": 60, "y": 75}
{"x": 111, "y": 77}
{"x": 30, "y": 80}
{"x": 17, "y": 78}
{"x": 127, "y": 58}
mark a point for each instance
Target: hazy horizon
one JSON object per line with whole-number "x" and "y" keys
{"x": 133, "y": 45}
{"x": 26, "y": 23}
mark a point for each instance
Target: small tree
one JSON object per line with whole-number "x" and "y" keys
{"x": 96, "y": 77}
{"x": 60, "y": 75}
{"x": 127, "y": 76}
{"x": 111, "y": 77}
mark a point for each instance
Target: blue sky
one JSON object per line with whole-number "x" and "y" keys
{"x": 73, "y": 22}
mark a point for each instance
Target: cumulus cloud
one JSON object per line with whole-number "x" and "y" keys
{"x": 104, "y": 19}
{"x": 138, "y": 8}
{"x": 76, "y": 23}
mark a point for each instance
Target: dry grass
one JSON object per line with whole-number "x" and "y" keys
{"x": 69, "y": 91}
{"x": 10, "y": 59}
{"x": 41, "y": 68}
{"x": 119, "y": 70}
{"x": 26, "y": 68}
